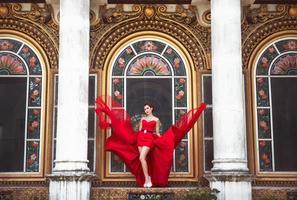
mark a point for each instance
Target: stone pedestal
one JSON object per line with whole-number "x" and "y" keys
{"x": 70, "y": 187}
{"x": 232, "y": 186}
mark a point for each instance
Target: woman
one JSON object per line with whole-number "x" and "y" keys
{"x": 148, "y": 125}
{"x": 147, "y": 155}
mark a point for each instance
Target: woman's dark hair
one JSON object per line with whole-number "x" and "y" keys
{"x": 149, "y": 104}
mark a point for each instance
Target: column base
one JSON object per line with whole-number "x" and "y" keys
{"x": 70, "y": 186}
{"x": 231, "y": 185}
{"x": 70, "y": 166}
{"x": 230, "y": 165}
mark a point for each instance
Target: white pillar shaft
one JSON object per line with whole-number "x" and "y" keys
{"x": 72, "y": 124}
{"x": 227, "y": 87}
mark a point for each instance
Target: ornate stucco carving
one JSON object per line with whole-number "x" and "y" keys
{"x": 37, "y": 23}
{"x": 260, "y": 23}
{"x": 115, "y": 24}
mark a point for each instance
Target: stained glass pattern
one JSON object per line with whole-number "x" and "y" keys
{"x": 10, "y": 45}
{"x": 118, "y": 90}
{"x": 32, "y": 156}
{"x": 149, "y": 46}
{"x": 265, "y": 60}
{"x": 180, "y": 92}
{"x": 31, "y": 59}
{"x": 178, "y": 113}
{"x": 176, "y": 61}
{"x": 286, "y": 45}
{"x": 181, "y": 157}
{"x": 265, "y": 155}
{"x": 262, "y": 91}
{"x": 35, "y": 91}
{"x": 264, "y": 123}
{"x": 33, "y": 124}
{"x": 122, "y": 61}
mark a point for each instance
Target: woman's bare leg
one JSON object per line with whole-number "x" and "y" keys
{"x": 143, "y": 153}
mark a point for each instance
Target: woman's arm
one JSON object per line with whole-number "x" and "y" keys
{"x": 158, "y": 128}
{"x": 140, "y": 124}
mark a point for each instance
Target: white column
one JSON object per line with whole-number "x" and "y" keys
{"x": 229, "y": 173}
{"x": 70, "y": 179}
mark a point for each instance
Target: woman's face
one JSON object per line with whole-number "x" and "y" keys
{"x": 148, "y": 110}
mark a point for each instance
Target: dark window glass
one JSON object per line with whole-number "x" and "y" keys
{"x": 208, "y": 123}
{"x": 56, "y": 89}
{"x": 156, "y": 91}
{"x": 284, "y": 108}
{"x": 92, "y": 90}
{"x": 12, "y": 123}
{"x": 91, "y": 155}
{"x": 207, "y": 89}
{"x": 91, "y": 122}
{"x": 208, "y": 131}
{"x": 208, "y": 154}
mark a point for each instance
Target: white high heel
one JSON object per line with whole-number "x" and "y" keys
{"x": 149, "y": 183}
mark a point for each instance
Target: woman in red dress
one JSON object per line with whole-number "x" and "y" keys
{"x": 148, "y": 126}
{"x": 147, "y": 155}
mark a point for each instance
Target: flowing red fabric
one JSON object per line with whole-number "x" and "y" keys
{"x": 123, "y": 140}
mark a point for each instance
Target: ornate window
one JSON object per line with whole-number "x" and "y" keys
{"x": 275, "y": 86}
{"x": 21, "y": 107}
{"x": 152, "y": 70}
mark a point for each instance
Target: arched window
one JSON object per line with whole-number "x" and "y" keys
{"x": 21, "y": 99}
{"x": 150, "y": 69}
{"x": 275, "y": 97}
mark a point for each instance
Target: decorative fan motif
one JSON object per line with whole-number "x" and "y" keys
{"x": 10, "y": 64}
{"x": 285, "y": 65}
{"x": 149, "y": 65}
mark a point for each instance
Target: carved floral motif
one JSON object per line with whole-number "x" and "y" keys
{"x": 181, "y": 24}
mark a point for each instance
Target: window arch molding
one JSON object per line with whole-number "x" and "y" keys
{"x": 192, "y": 100}
{"x": 263, "y": 117}
{"x": 35, "y": 49}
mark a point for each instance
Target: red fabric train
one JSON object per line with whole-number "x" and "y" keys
{"x": 123, "y": 141}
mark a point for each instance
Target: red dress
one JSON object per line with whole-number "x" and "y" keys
{"x": 145, "y": 136}
{"x": 123, "y": 141}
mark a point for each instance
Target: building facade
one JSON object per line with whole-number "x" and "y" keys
{"x": 239, "y": 57}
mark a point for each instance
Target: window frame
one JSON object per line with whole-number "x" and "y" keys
{"x": 192, "y": 102}
{"x": 44, "y": 116}
{"x": 251, "y": 106}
